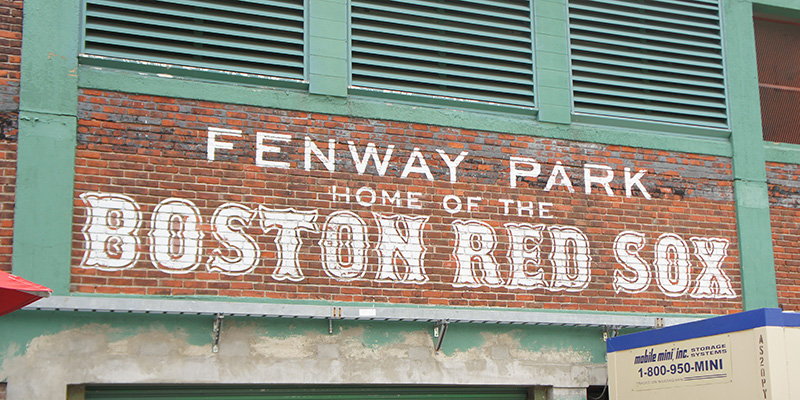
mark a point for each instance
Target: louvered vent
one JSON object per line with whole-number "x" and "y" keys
{"x": 262, "y": 37}
{"x": 648, "y": 60}
{"x": 463, "y": 49}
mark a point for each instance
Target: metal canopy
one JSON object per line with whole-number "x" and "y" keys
{"x": 352, "y": 312}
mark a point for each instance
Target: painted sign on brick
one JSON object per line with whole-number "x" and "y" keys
{"x": 325, "y": 207}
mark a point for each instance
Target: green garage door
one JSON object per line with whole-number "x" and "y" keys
{"x": 305, "y": 392}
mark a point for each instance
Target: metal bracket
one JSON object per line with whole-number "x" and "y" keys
{"x": 215, "y": 332}
{"x": 439, "y": 330}
{"x": 609, "y": 332}
{"x": 336, "y": 313}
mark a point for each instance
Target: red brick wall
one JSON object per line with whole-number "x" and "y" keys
{"x": 784, "y": 191}
{"x": 10, "y": 50}
{"x": 135, "y": 152}
{"x": 8, "y": 173}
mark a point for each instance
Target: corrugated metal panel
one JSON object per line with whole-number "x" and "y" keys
{"x": 355, "y": 312}
{"x": 304, "y": 392}
{"x": 474, "y": 50}
{"x": 262, "y": 37}
{"x": 654, "y": 60}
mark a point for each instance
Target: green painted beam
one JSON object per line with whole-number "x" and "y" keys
{"x": 499, "y": 119}
{"x": 46, "y": 147}
{"x": 784, "y": 6}
{"x": 759, "y": 287}
{"x": 782, "y": 152}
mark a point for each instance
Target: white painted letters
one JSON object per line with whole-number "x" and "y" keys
{"x": 672, "y": 265}
{"x": 262, "y": 149}
{"x": 400, "y": 247}
{"x": 175, "y": 236}
{"x": 559, "y": 177}
{"x": 112, "y": 242}
{"x": 289, "y": 223}
{"x": 570, "y": 258}
{"x": 328, "y": 161}
{"x": 423, "y": 169}
{"x": 361, "y": 164}
{"x": 239, "y": 252}
{"x": 344, "y": 246}
{"x": 524, "y": 252}
{"x": 452, "y": 165}
{"x": 636, "y": 277}
{"x": 475, "y": 263}
{"x": 712, "y": 282}
{"x": 532, "y": 171}
{"x": 111, "y": 231}
{"x": 603, "y": 180}
{"x": 212, "y": 145}
{"x": 635, "y": 181}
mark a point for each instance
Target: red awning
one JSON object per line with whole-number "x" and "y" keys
{"x": 16, "y": 292}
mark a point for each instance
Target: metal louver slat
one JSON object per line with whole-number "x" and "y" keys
{"x": 508, "y": 4}
{"x": 157, "y": 35}
{"x": 467, "y": 74}
{"x": 658, "y": 61}
{"x": 262, "y": 37}
{"x": 653, "y": 19}
{"x": 478, "y": 51}
{"x": 636, "y": 71}
{"x": 421, "y": 80}
{"x": 652, "y": 86}
{"x": 645, "y": 37}
{"x": 225, "y": 60}
{"x": 410, "y": 45}
{"x": 458, "y": 29}
{"x": 593, "y": 109}
{"x": 234, "y": 13}
{"x": 457, "y": 14}
{"x": 682, "y": 9}
{"x": 711, "y": 4}
{"x": 596, "y": 14}
{"x": 660, "y": 102}
{"x": 112, "y": 22}
{"x": 380, "y": 52}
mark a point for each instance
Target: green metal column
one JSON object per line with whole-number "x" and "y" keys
{"x": 759, "y": 288}
{"x": 552, "y": 61}
{"x": 328, "y": 52}
{"x": 46, "y": 148}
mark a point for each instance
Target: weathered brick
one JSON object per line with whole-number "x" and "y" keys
{"x": 784, "y": 193}
{"x": 691, "y": 199}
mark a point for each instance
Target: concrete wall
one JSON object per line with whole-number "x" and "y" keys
{"x": 78, "y": 348}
